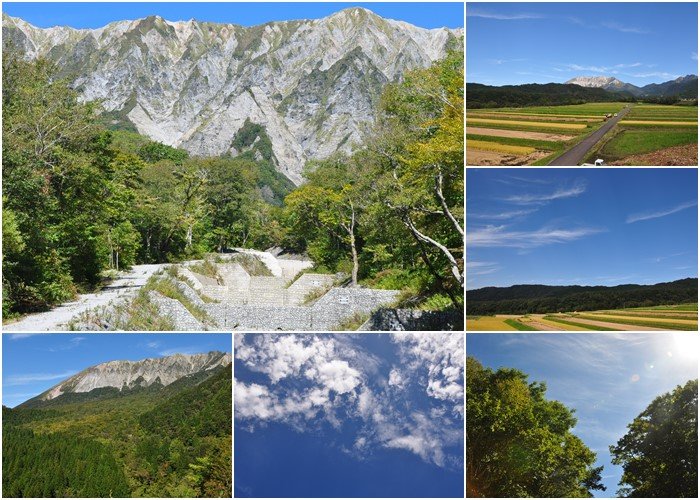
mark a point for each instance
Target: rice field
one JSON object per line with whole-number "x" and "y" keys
{"x": 652, "y": 134}
{"x": 546, "y": 130}
{"x": 683, "y": 317}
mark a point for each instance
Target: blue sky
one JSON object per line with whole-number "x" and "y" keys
{"x": 341, "y": 415}
{"x": 96, "y": 15}
{"x": 33, "y": 363}
{"x": 581, "y": 226}
{"x": 608, "y": 378}
{"x": 638, "y": 43}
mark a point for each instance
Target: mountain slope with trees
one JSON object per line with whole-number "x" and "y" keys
{"x": 80, "y": 200}
{"x": 154, "y": 442}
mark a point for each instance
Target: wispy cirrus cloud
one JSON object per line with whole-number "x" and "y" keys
{"x": 500, "y": 236}
{"x": 479, "y": 268}
{"x": 655, "y": 74}
{"x": 509, "y": 214}
{"x": 660, "y": 213}
{"x": 503, "y": 17}
{"x": 694, "y": 56}
{"x": 31, "y": 378}
{"x": 543, "y": 198}
{"x": 625, "y": 29}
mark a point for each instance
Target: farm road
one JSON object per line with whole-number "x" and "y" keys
{"x": 575, "y": 155}
{"x": 126, "y": 284}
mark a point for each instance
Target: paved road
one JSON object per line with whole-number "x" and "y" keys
{"x": 126, "y": 284}
{"x": 575, "y": 155}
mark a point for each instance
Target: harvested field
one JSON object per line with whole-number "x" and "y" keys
{"x": 488, "y": 324}
{"x": 612, "y": 320}
{"x": 614, "y": 326}
{"x": 520, "y": 134}
{"x": 478, "y": 157}
{"x": 540, "y": 118}
{"x": 500, "y": 148}
{"x": 567, "y": 126}
{"x": 685, "y": 155}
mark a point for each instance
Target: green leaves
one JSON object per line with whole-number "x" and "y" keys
{"x": 519, "y": 444}
{"x": 659, "y": 452}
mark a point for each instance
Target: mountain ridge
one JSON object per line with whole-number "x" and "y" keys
{"x": 193, "y": 84}
{"x": 677, "y": 86}
{"x": 125, "y": 374}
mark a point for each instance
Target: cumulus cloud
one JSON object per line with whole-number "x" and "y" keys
{"x": 316, "y": 379}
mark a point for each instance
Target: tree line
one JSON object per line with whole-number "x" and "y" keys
{"x": 538, "y": 299}
{"x": 520, "y": 444}
{"x": 80, "y": 200}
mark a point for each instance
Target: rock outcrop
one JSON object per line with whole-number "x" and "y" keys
{"x": 144, "y": 373}
{"x": 312, "y": 85}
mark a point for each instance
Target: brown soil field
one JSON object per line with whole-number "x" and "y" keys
{"x": 686, "y": 154}
{"x": 616, "y": 326}
{"x": 519, "y": 134}
{"x": 541, "y": 118}
{"x": 481, "y": 158}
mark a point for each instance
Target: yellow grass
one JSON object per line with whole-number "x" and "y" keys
{"x": 570, "y": 126}
{"x": 499, "y": 148}
{"x": 622, "y": 317}
{"x": 654, "y": 122}
{"x": 488, "y": 324}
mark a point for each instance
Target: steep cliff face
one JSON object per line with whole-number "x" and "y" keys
{"x": 144, "y": 373}
{"x": 313, "y": 84}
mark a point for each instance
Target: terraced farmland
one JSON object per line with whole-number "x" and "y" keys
{"x": 530, "y": 136}
{"x": 661, "y": 318}
{"x": 652, "y": 134}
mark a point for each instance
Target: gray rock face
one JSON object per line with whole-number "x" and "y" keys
{"x": 312, "y": 84}
{"x": 121, "y": 374}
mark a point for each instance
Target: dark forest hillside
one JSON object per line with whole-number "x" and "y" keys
{"x": 527, "y": 299}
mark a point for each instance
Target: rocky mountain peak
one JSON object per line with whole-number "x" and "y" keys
{"x": 313, "y": 85}
{"x": 143, "y": 373}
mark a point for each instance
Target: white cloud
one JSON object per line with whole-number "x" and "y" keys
{"x": 477, "y": 268}
{"x": 253, "y": 400}
{"x": 506, "y": 215}
{"x": 499, "y": 236}
{"x": 660, "y": 213}
{"x": 327, "y": 378}
{"x": 31, "y": 378}
{"x": 502, "y": 17}
{"x": 625, "y": 29}
{"x": 694, "y": 56}
{"x": 543, "y": 198}
{"x": 442, "y": 355}
{"x": 655, "y": 74}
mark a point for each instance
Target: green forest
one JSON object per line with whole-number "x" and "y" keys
{"x": 81, "y": 201}
{"x": 172, "y": 441}
{"x": 529, "y": 299}
{"x": 521, "y": 444}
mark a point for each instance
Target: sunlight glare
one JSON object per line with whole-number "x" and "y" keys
{"x": 687, "y": 343}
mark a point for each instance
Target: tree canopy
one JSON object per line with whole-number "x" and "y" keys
{"x": 519, "y": 444}
{"x": 659, "y": 453}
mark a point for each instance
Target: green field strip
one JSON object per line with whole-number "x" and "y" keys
{"x": 636, "y": 322}
{"x": 649, "y": 314}
{"x": 581, "y": 325}
{"x": 520, "y": 326}
{"x": 672, "y": 307}
{"x": 623, "y": 316}
{"x": 640, "y": 140}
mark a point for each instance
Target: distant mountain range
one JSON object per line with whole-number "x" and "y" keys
{"x": 684, "y": 86}
{"x": 526, "y": 299}
{"x": 578, "y": 90}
